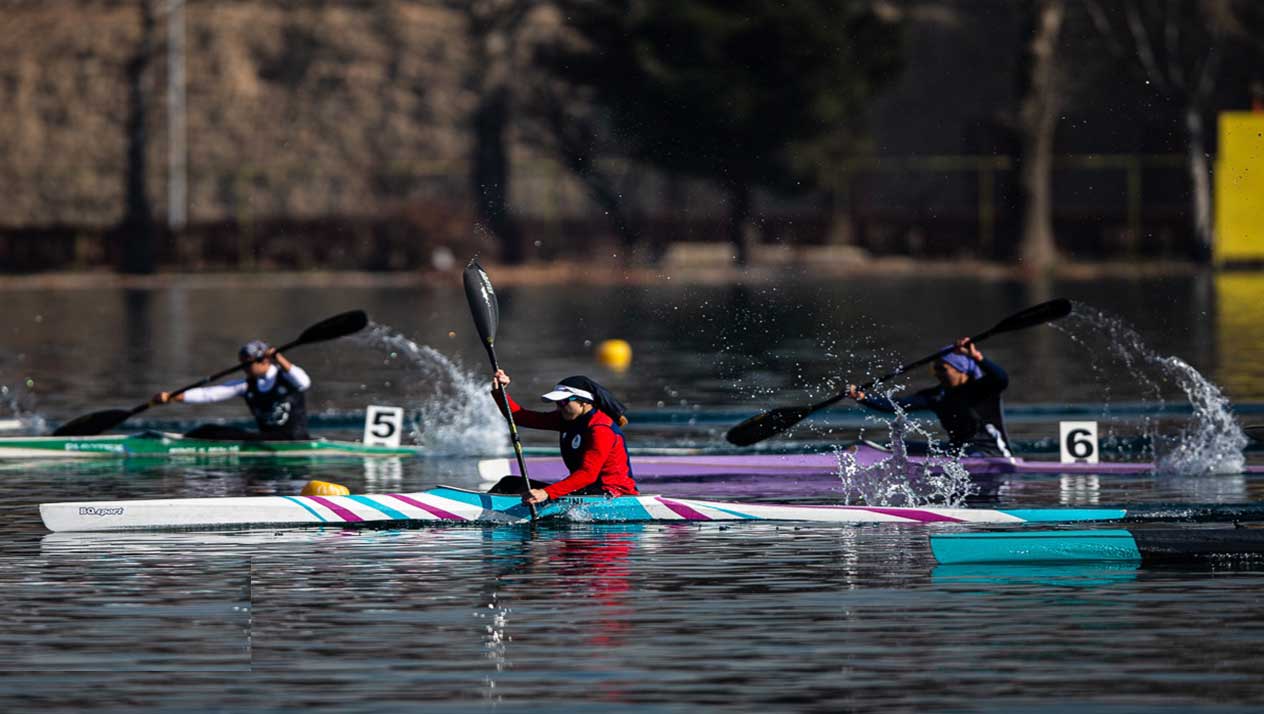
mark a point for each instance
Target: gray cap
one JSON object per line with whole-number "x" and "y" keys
{"x": 253, "y": 350}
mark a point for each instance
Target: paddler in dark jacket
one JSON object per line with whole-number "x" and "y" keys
{"x": 967, "y": 401}
{"x": 588, "y": 417}
{"x": 273, "y": 389}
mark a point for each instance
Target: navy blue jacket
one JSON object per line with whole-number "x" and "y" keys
{"x": 971, "y": 414}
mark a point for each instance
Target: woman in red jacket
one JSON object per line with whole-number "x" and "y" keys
{"x": 588, "y": 417}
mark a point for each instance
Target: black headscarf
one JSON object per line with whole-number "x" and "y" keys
{"x": 602, "y": 399}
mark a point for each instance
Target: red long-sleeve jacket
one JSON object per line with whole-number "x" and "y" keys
{"x": 592, "y": 447}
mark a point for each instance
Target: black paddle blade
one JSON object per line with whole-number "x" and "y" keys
{"x": 94, "y": 423}
{"x": 762, "y": 426}
{"x": 334, "y": 327}
{"x": 483, "y": 305}
{"x": 1034, "y": 315}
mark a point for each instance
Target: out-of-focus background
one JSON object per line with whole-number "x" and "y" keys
{"x": 389, "y": 135}
{"x": 764, "y": 199}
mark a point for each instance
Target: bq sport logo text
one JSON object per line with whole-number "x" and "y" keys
{"x": 94, "y": 511}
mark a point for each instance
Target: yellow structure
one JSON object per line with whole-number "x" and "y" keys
{"x": 1240, "y": 189}
{"x": 615, "y": 354}
{"x": 324, "y": 488}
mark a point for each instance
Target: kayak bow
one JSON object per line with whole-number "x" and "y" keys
{"x": 1135, "y": 545}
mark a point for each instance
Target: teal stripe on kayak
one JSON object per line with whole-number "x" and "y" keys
{"x": 1066, "y": 515}
{"x": 731, "y": 512}
{"x": 384, "y": 509}
{"x": 511, "y": 505}
{"x": 487, "y": 501}
{"x": 306, "y": 507}
{"x": 1034, "y": 547}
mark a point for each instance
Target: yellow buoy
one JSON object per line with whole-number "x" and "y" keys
{"x": 324, "y": 488}
{"x": 615, "y": 354}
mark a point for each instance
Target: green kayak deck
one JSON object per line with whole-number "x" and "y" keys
{"x": 164, "y": 445}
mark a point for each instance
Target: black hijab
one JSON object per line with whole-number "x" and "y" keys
{"x": 602, "y": 399}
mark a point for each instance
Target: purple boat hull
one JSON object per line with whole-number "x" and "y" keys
{"x": 807, "y": 466}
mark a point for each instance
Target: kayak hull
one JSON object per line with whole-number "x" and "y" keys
{"x": 165, "y": 445}
{"x": 1135, "y": 545}
{"x": 447, "y": 505}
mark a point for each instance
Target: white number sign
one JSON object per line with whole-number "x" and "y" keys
{"x": 382, "y": 425}
{"x": 1079, "y": 441}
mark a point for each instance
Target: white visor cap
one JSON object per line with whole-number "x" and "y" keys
{"x": 562, "y": 392}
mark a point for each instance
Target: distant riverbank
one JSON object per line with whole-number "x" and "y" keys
{"x": 590, "y": 273}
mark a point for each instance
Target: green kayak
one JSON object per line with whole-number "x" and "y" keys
{"x": 164, "y": 445}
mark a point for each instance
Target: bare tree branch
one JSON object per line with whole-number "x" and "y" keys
{"x": 1145, "y": 53}
{"x": 1102, "y": 23}
{"x": 1172, "y": 41}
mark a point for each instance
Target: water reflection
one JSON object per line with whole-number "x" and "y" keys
{"x": 777, "y": 330}
{"x": 588, "y": 614}
{"x": 124, "y": 612}
{"x": 1061, "y": 575}
{"x": 383, "y": 475}
{"x": 1079, "y": 490}
{"x": 1239, "y": 333}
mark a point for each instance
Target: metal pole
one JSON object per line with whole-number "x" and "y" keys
{"x": 177, "y": 148}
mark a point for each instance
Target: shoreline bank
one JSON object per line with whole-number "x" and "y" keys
{"x": 613, "y": 273}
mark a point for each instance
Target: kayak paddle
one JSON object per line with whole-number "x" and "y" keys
{"x": 96, "y": 422}
{"x": 762, "y": 426}
{"x": 486, "y": 312}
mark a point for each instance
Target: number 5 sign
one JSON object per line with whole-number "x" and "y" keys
{"x": 382, "y": 425}
{"x": 1079, "y": 441}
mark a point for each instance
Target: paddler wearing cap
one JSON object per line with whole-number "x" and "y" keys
{"x": 967, "y": 401}
{"x": 593, "y": 448}
{"x": 273, "y": 389}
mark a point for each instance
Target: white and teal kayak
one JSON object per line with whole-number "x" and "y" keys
{"x": 448, "y": 505}
{"x": 153, "y": 444}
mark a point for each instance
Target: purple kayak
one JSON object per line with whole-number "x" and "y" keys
{"x": 811, "y": 465}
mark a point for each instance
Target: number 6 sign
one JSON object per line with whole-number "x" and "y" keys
{"x": 382, "y": 425}
{"x": 1079, "y": 441}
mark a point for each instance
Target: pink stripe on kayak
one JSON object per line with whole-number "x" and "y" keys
{"x": 913, "y": 514}
{"x": 683, "y": 511}
{"x": 432, "y": 510}
{"x": 341, "y": 512}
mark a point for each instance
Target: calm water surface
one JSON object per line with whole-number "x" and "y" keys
{"x": 574, "y": 617}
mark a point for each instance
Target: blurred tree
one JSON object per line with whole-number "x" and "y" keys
{"x": 494, "y": 30}
{"x": 738, "y": 92}
{"x": 563, "y": 120}
{"x": 134, "y": 235}
{"x": 1178, "y": 48}
{"x": 1042, "y": 97}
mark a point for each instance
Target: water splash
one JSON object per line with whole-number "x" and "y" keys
{"x": 1210, "y": 440}
{"x": 451, "y": 411}
{"x": 760, "y": 359}
{"x": 16, "y": 412}
{"x": 936, "y": 478}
